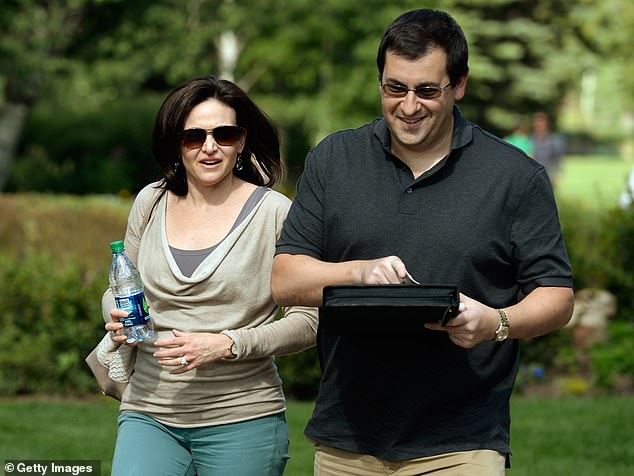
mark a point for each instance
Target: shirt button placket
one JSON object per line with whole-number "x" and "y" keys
{"x": 409, "y": 205}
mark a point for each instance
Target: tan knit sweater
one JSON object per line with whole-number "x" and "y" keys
{"x": 230, "y": 291}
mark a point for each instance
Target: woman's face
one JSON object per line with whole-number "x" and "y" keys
{"x": 210, "y": 164}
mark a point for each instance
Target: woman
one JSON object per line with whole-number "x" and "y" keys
{"x": 206, "y": 397}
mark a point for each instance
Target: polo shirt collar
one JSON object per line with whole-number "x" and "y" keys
{"x": 462, "y": 130}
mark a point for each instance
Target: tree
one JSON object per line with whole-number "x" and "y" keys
{"x": 34, "y": 36}
{"x": 603, "y": 104}
{"x": 310, "y": 65}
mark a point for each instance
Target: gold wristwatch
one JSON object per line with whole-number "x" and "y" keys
{"x": 503, "y": 330}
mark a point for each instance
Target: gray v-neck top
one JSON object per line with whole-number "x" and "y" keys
{"x": 189, "y": 260}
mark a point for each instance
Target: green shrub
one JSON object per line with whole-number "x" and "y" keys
{"x": 617, "y": 232}
{"x": 50, "y": 319}
{"x": 582, "y": 230}
{"x": 66, "y": 149}
{"x": 300, "y": 374}
{"x": 614, "y": 359}
{"x": 54, "y": 258}
{"x": 601, "y": 249}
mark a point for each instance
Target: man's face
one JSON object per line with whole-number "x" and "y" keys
{"x": 541, "y": 125}
{"x": 416, "y": 124}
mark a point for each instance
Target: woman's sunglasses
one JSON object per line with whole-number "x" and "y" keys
{"x": 223, "y": 135}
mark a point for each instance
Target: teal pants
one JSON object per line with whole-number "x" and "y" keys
{"x": 146, "y": 447}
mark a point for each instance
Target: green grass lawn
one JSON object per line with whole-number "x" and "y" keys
{"x": 593, "y": 182}
{"x": 553, "y": 437}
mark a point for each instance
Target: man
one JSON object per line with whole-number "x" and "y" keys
{"x": 423, "y": 191}
{"x": 549, "y": 148}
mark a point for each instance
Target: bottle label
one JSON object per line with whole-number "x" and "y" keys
{"x": 137, "y": 306}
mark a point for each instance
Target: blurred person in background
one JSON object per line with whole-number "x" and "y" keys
{"x": 423, "y": 191}
{"x": 521, "y": 139}
{"x": 549, "y": 147}
{"x": 206, "y": 398}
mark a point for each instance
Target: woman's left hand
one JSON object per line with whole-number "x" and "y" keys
{"x": 188, "y": 350}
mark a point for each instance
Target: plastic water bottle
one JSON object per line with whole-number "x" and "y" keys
{"x": 127, "y": 287}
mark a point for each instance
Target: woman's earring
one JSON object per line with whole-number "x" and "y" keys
{"x": 176, "y": 166}
{"x": 239, "y": 165}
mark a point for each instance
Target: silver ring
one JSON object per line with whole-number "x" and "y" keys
{"x": 184, "y": 360}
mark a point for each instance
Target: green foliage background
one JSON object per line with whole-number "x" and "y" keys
{"x": 53, "y": 253}
{"x": 89, "y": 74}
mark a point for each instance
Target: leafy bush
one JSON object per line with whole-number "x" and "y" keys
{"x": 617, "y": 231}
{"x": 614, "y": 359}
{"x": 86, "y": 151}
{"x": 300, "y": 374}
{"x": 601, "y": 250}
{"x": 50, "y": 319}
{"x": 54, "y": 258}
{"x": 582, "y": 232}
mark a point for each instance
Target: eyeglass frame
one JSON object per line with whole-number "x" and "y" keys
{"x": 211, "y": 132}
{"x": 438, "y": 90}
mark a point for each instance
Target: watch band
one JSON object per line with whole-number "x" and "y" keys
{"x": 503, "y": 330}
{"x": 233, "y": 347}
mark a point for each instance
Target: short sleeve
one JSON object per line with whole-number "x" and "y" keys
{"x": 303, "y": 231}
{"x": 536, "y": 235}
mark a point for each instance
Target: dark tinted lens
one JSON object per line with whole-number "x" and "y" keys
{"x": 227, "y": 135}
{"x": 428, "y": 92}
{"x": 193, "y": 138}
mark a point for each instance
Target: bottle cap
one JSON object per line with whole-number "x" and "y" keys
{"x": 116, "y": 246}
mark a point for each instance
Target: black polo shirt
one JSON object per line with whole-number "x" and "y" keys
{"x": 484, "y": 219}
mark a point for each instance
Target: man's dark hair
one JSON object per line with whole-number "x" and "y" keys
{"x": 415, "y": 33}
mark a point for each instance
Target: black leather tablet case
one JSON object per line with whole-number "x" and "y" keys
{"x": 355, "y": 310}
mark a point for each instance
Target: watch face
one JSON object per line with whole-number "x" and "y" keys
{"x": 502, "y": 334}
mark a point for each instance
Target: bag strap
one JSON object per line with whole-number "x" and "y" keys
{"x": 148, "y": 215}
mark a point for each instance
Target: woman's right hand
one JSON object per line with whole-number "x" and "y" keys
{"x": 115, "y": 327}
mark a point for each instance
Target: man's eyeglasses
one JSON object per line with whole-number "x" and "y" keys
{"x": 195, "y": 137}
{"x": 423, "y": 92}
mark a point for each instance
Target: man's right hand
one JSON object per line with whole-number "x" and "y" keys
{"x": 389, "y": 270}
{"x": 299, "y": 280}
